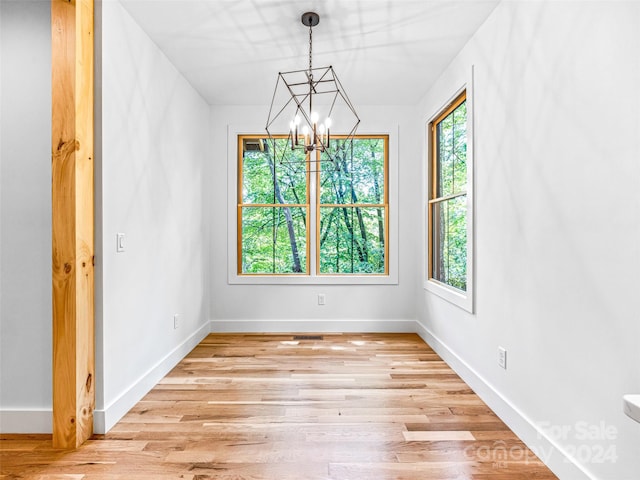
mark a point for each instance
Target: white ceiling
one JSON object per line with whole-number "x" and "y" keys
{"x": 385, "y": 52}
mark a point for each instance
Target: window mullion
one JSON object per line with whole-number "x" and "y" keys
{"x": 448, "y": 197}
{"x": 314, "y": 221}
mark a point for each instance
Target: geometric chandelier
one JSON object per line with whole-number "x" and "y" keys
{"x": 310, "y": 105}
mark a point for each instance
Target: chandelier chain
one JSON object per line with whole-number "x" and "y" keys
{"x": 310, "y": 50}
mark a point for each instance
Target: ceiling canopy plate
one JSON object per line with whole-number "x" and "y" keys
{"x": 310, "y": 19}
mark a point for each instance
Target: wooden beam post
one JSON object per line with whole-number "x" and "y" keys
{"x": 72, "y": 221}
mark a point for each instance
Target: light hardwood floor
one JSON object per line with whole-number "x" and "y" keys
{"x": 350, "y": 406}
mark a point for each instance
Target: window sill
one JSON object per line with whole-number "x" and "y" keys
{"x": 235, "y": 279}
{"x": 461, "y": 299}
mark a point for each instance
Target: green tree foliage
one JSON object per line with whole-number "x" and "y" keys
{"x": 266, "y": 243}
{"x": 274, "y": 234}
{"x": 352, "y": 213}
{"x": 352, "y": 238}
{"x": 452, "y": 152}
{"x": 450, "y": 214}
{"x": 450, "y": 226}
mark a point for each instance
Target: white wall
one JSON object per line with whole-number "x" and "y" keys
{"x": 557, "y": 228}
{"x": 25, "y": 216}
{"x": 154, "y": 136}
{"x": 294, "y": 307}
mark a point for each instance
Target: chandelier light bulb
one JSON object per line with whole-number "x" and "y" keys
{"x": 327, "y": 122}
{"x": 314, "y": 117}
{"x": 297, "y": 120}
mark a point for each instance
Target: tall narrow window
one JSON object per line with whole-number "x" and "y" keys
{"x": 448, "y": 197}
{"x": 273, "y": 209}
{"x": 299, "y": 216}
{"x": 353, "y": 207}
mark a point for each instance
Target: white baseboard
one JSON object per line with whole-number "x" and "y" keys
{"x": 26, "y": 421}
{"x": 547, "y": 449}
{"x": 313, "y": 326}
{"x": 104, "y": 420}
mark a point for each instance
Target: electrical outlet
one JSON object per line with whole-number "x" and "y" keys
{"x": 176, "y": 321}
{"x": 321, "y": 299}
{"x": 120, "y": 242}
{"x": 502, "y": 357}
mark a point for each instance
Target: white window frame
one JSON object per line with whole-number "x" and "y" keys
{"x": 464, "y": 300}
{"x": 234, "y": 278}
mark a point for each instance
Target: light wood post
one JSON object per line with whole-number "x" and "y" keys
{"x": 72, "y": 221}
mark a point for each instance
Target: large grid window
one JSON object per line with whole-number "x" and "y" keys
{"x": 301, "y": 216}
{"x": 448, "y": 197}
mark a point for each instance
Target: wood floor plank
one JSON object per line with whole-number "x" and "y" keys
{"x": 262, "y": 407}
{"x": 436, "y": 436}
